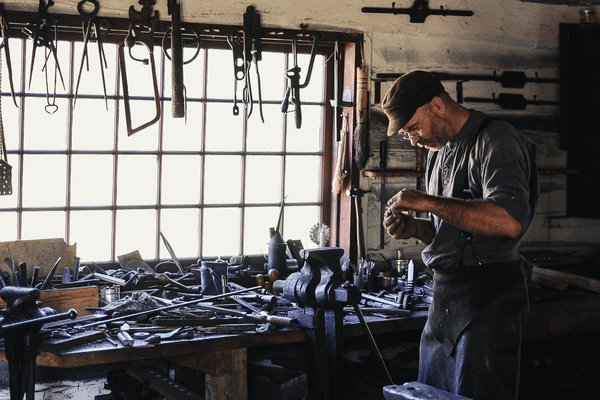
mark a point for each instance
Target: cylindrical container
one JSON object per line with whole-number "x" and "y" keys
{"x": 110, "y": 294}
{"x": 277, "y": 255}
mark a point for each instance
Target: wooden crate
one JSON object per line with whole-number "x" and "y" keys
{"x": 64, "y": 299}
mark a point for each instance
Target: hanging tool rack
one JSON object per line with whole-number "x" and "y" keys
{"x": 125, "y": 31}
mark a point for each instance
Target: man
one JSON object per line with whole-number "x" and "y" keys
{"x": 482, "y": 192}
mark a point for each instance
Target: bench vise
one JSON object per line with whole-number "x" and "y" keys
{"x": 20, "y": 324}
{"x": 320, "y": 291}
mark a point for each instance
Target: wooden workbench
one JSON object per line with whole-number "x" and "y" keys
{"x": 221, "y": 357}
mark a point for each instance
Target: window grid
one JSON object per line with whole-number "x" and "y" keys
{"x": 70, "y": 75}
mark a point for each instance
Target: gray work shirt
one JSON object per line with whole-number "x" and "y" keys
{"x": 499, "y": 167}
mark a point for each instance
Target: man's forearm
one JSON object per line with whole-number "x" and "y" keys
{"x": 477, "y": 216}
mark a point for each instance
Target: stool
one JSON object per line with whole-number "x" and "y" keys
{"x": 418, "y": 391}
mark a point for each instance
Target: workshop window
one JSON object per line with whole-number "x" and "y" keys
{"x": 212, "y": 183}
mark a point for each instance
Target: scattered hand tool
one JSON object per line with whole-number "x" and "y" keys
{"x": 44, "y": 285}
{"x": 260, "y": 317}
{"x": 5, "y": 31}
{"x": 171, "y": 253}
{"x": 124, "y": 336}
{"x": 91, "y": 29}
{"x": 66, "y": 275}
{"x": 179, "y": 285}
{"x": 34, "y": 275}
{"x": 169, "y": 307}
{"x": 176, "y": 334}
{"x": 141, "y": 30}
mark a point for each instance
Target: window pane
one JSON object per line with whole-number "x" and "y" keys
{"x": 221, "y": 232}
{"x": 93, "y": 126}
{"x": 136, "y": 230}
{"x": 193, "y": 72}
{"x": 91, "y": 180}
{"x": 305, "y": 169}
{"x": 181, "y": 179}
{"x": 223, "y": 130}
{"x": 8, "y": 221}
{"x": 44, "y": 180}
{"x": 45, "y": 131}
{"x": 43, "y": 225}
{"x": 223, "y": 180}
{"x": 297, "y": 222}
{"x": 181, "y": 227}
{"x": 263, "y": 179}
{"x": 257, "y": 222}
{"x": 272, "y": 76}
{"x": 267, "y": 136}
{"x": 308, "y": 137}
{"x": 220, "y": 76}
{"x": 91, "y": 231}
{"x": 183, "y": 134}
{"x": 136, "y": 180}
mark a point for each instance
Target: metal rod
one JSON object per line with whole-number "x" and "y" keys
{"x": 372, "y": 341}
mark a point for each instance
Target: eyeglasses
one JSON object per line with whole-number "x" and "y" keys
{"x": 412, "y": 132}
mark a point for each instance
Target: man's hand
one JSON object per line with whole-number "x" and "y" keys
{"x": 400, "y": 225}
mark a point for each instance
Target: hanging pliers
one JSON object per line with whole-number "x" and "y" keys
{"x": 91, "y": 30}
{"x": 4, "y": 30}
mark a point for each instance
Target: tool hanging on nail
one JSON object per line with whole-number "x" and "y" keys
{"x": 141, "y": 30}
{"x": 5, "y": 31}
{"x": 173, "y": 39}
{"x": 41, "y": 32}
{"x": 247, "y": 49}
{"x": 382, "y": 166}
{"x": 92, "y": 30}
{"x": 292, "y": 92}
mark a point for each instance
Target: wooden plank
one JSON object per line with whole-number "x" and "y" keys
{"x": 570, "y": 278}
{"x": 63, "y": 300}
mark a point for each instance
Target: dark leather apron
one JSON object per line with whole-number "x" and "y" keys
{"x": 471, "y": 342}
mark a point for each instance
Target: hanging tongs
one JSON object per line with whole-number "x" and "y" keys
{"x": 292, "y": 93}
{"x": 92, "y": 30}
{"x": 141, "y": 30}
{"x": 41, "y": 34}
{"x": 5, "y": 31}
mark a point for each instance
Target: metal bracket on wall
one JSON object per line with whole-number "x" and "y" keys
{"x": 418, "y": 12}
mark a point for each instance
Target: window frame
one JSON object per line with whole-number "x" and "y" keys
{"x": 333, "y": 209}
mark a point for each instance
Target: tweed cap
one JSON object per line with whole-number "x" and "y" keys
{"x": 409, "y": 92}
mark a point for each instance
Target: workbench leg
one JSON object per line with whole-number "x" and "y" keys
{"x": 233, "y": 386}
